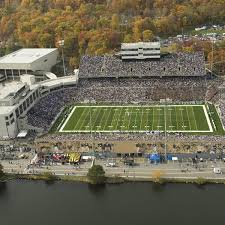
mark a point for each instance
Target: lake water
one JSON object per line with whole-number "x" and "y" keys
{"x": 39, "y": 203}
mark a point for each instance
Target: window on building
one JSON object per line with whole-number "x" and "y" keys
{"x": 24, "y": 106}
{"x": 27, "y": 103}
{"x": 31, "y": 99}
{"x": 21, "y": 109}
{"x": 17, "y": 113}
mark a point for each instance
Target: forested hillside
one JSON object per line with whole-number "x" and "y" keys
{"x": 99, "y": 26}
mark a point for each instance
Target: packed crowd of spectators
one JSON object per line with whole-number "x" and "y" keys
{"x": 44, "y": 112}
{"x": 123, "y": 90}
{"x": 177, "y": 64}
{"x": 138, "y": 137}
{"x": 221, "y": 104}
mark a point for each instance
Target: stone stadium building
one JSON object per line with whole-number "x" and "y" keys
{"x": 36, "y": 61}
{"x": 18, "y": 97}
{"x": 140, "y": 50}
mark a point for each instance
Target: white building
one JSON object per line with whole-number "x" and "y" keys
{"x": 140, "y": 50}
{"x": 28, "y": 60}
{"x": 17, "y": 97}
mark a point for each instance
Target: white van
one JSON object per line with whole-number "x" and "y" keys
{"x": 111, "y": 164}
{"x": 217, "y": 170}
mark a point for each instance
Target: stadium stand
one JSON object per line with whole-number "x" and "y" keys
{"x": 171, "y": 65}
{"x": 122, "y": 90}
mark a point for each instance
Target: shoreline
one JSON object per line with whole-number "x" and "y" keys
{"x": 113, "y": 179}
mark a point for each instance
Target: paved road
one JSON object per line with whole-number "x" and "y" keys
{"x": 142, "y": 170}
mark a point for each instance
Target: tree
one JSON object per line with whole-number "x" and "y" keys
{"x": 147, "y": 35}
{"x": 96, "y": 174}
{"x": 217, "y": 58}
{"x": 1, "y": 171}
{"x": 49, "y": 176}
{"x": 73, "y": 62}
{"x": 128, "y": 38}
{"x": 115, "y": 22}
{"x": 157, "y": 176}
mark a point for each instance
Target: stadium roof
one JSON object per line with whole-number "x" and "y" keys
{"x": 140, "y": 45}
{"x": 30, "y": 59}
{"x": 6, "y": 109}
{"x": 9, "y": 88}
{"x": 22, "y": 134}
{"x": 26, "y": 55}
{"x": 59, "y": 81}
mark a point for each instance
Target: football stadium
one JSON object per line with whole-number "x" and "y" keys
{"x": 136, "y": 93}
{"x": 139, "y": 95}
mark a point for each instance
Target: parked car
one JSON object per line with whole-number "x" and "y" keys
{"x": 217, "y": 170}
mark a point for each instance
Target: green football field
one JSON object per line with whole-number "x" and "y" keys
{"x": 173, "y": 118}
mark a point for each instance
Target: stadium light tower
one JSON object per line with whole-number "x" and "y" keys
{"x": 61, "y": 44}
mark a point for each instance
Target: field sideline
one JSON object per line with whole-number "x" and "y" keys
{"x": 133, "y": 118}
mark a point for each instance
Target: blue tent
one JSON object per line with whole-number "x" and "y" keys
{"x": 169, "y": 157}
{"x": 154, "y": 158}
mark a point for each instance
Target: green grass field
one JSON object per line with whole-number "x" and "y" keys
{"x": 173, "y": 118}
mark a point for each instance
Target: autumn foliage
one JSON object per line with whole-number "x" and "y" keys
{"x": 99, "y": 26}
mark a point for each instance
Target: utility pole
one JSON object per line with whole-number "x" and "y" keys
{"x": 212, "y": 58}
{"x": 61, "y": 44}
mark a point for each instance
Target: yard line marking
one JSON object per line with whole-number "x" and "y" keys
{"x": 96, "y": 117}
{"x": 74, "y": 128}
{"x": 141, "y": 118}
{"x": 196, "y": 127}
{"x": 188, "y": 118}
{"x": 170, "y": 112}
{"x": 118, "y": 119}
{"x": 126, "y": 115}
{"x": 176, "y": 118}
{"x": 101, "y": 119}
{"x": 182, "y": 118}
{"x": 114, "y": 119}
{"x": 165, "y": 119}
{"x": 129, "y": 119}
{"x": 135, "y": 120}
{"x": 159, "y": 119}
{"x": 153, "y": 119}
{"x": 106, "y": 121}
{"x": 147, "y": 119}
